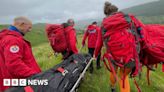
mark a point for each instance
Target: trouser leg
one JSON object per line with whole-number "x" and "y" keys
{"x": 98, "y": 61}
{"x": 91, "y": 52}
{"x": 124, "y": 84}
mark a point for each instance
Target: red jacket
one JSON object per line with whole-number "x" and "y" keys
{"x": 16, "y": 58}
{"x": 91, "y": 33}
{"x": 71, "y": 35}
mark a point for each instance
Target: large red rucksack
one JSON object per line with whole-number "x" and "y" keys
{"x": 57, "y": 37}
{"x": 153, "y": 49}
{"x": 121, "y": 38}
{"x": 122, "y": 41}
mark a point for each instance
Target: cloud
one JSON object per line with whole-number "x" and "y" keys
{"x": 55, "y": 11}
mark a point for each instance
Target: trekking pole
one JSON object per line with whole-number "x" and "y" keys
{"x": 81, "y": 76}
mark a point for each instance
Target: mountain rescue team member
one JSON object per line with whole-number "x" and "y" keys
{"x": 92, "y": 33}
{"x": 71, "y": 36}
{"x": 120, "y": 54}
{"x": 16, "y": 58}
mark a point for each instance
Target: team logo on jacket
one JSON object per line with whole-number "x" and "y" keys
{"x": 14, "y": 49}
{"x": 92, "y": 31}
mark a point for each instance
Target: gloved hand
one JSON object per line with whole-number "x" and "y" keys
{"x": 83, "y": 43}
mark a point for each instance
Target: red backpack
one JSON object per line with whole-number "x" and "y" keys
{"x": 57, "y": 37}
{"x": 153, "y": 50}
{"x": 122, "y": 41}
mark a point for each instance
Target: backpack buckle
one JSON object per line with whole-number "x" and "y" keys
{"x": 64, "y": 72}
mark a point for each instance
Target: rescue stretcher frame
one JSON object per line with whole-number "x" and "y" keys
{"x": 81, "y": 76}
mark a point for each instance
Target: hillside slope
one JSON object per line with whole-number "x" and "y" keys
{"x": 149, "y": 9}
{"x": 36, "y": 36}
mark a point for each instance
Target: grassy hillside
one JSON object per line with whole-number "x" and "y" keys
{"x": 152, "y": 19}
{"x": 149, "y": 13}
{"x": 36, "y": 36}
{"x": 82, "y": 24}
{"x": 149, "y": 9}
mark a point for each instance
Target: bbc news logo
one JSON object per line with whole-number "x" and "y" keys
{"x": 24, "y": 82}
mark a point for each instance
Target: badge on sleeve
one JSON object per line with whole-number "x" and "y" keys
{"x": 14, "y": 48}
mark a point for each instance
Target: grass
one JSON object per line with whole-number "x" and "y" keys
{"x": 99, "y": 80}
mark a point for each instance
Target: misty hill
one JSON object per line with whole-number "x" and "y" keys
{"x": 148, "y": 13}
{"x": 149, "y": 9}
{"x": 82, "y": 24}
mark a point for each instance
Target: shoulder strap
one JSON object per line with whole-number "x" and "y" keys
{"x": 132, "y": 25}
{"x": 133, "y": 30}
{"x": 127, "y": 18}
{"x": 105, "y": 40}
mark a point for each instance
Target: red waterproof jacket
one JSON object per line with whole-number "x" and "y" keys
{"x": 92, "y": 34}
{"x": 71, "y": 36}
{"x": 16, "y": 58}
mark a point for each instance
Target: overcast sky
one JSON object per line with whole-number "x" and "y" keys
{"x": 56, "y": 11}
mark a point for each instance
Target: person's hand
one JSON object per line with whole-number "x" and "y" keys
{"x": 83, "y": 43}
{"x": 94, "y": 57}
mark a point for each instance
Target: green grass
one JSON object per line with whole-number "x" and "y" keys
{"x": 99, "y": 80}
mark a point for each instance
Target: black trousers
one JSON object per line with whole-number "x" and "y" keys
{"x": 66, "y": 54}
{"x": 91, "y": 52}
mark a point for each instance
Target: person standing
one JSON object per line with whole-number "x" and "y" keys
{"x": 92, "y": 33}
{"x": 70, "y": 38}
{"x": 121, "y": 45}
{"x": 16, "y": 58}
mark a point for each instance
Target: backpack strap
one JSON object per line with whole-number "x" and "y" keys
{"x": 148, "y": 76}
{"x": 132, "y": 27}
{"x": 136, "y": 84}
{"x": 133, "y": 30}
{"x": 111, "y": 67}
{"x": 62, "y": 70}
{"x": 106, "y": 39}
